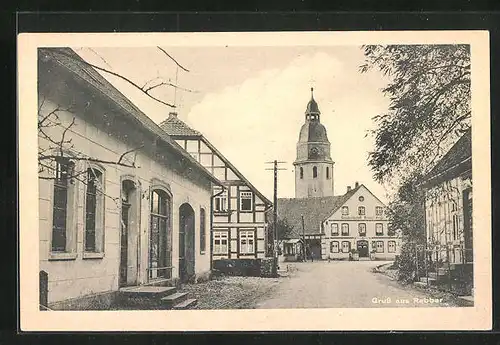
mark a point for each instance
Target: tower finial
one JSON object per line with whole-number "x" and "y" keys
{"x": 312, "y": 89}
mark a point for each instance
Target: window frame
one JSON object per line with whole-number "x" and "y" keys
{"x": 249, "y": 196}
{"x": 361, "y": 211}
{"x": 69, "y": 252}
{"x": 348, "y": 247}
{"x": 336, "y": 225}
{"x": 327, "y": 173}
{"x": 342, "y": 229}
{"x": 332, "y": 247}
{"x": 246, "y": 235}
{"x": 220, "y": 235}
{"x": 345, "y": 210}
{"x": 379, "y": 245}
{"x": 223, "y": 200}
{"x": 301, "y": 173}
{"x": 362, "y": 234}
{"x": 377, "y": 233}
{"x": 389, "y": 246}
{"x": 315, "y": 172}
{"x": 379, "y": 211}
{"x": 99, "y": 227}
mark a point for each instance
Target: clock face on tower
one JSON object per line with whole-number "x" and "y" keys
{"x": 314, "y": 152}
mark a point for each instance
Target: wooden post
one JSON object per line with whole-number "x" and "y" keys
{"x": 303, "y": 239}
{"x": 44, "y": 289}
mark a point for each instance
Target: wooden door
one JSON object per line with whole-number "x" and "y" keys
{"x": 186, "y": 243}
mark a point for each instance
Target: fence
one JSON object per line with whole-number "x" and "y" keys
{"x": 446, "y": 267}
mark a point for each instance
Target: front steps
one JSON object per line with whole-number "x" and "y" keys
{"x": 154, "y": 298}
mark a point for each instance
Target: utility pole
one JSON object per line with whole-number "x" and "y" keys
{"x": 303, "y": 239}
{"x": 275, "y": 210}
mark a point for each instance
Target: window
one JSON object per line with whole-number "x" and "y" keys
{"x": 315, "y": 172}
{"x": 391, "y": 246}
{"x": 335, "y": 229}
{"x": 379, "y": 230}
{"x": 160, "y": 246}
{"x": 362, "y": 229}
{"x": 203, "y": 231}
{"x": 346, "y": 246}
{"x": 301, "y": 173}
{"x": 361, "y": 211}
{"x": 220, "y": 242}
{"x": 94, "y": 211}
{"x": 220, "y": 202}
{"x": 345, "y": 229}
{"x": 374, "y": 245}
{"x": 380, "y": 246}
{"x": 327, "y": 173}
{"x": 361, "y": 198}
{"x": 378, "y": 211}
{"x": 246, "y": 201}
{"x": 247, "y": 242}
{"x": 334, "y": 247}
{"x": 63, "y": 171}
{"x": 345, "y": 210}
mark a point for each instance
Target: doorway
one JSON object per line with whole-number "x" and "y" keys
{"x": 128, "y": 266}
{"x": 362, "y": 246}
{"x": 159, "y": 240}
{"x": 186, "y": 243}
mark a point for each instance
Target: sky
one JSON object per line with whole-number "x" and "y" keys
{"x": 249, "y": 102}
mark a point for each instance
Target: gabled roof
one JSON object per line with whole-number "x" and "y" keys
{"x": 314, "y": 210}
{"x": 178, "y": 129}
{"x": 175, "y": 127}
{"x": 458, "y": 154}
{"x": 70, "y": 60}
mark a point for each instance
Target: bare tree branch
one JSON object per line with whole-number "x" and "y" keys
{"x": 129, "y": 151}
{"x": 171, "y": 58}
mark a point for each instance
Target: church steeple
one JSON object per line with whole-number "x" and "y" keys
{"x": 312, "y": 110}
{"x": 313, "y": 166}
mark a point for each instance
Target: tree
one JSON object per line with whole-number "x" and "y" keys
{"x": 285, "y": 231}
{"x": 429, "y": 92}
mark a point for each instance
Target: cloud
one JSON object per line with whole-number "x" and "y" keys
{"x": 259, "y": 119}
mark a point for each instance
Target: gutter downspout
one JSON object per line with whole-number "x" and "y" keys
{"x": 211, "y": 225}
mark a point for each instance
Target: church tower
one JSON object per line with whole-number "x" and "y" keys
{"x": 313, "y": 166}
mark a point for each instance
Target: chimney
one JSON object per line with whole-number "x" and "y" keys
{"x": 356, "y": 185}
{"x": 348, "y": 188}
{"x": 172, "y": 114}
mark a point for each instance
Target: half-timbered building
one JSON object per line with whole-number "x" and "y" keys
{"x": 239, "y": 212}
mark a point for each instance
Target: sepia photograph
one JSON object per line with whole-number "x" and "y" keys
{"x": 257, "y": 173}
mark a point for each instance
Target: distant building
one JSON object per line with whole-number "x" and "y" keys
{"x": 335, "y": 225}
{"x": 448, "y": 208}
{"x": 103, "y": 226}
{"x": 239, "y": 213}
{"x": 313, "y": 166}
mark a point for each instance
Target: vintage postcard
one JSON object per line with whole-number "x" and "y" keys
{"x": 255, "y": 181}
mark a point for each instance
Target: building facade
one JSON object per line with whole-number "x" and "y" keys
{"x": 239, "y": 213}
{"x": 314, "y": 165}
{"x": 331, "y": 227}
{"x": 448, "y": 211}
{"x": 120, "y": 203}
{"x": 360, "y": 223}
